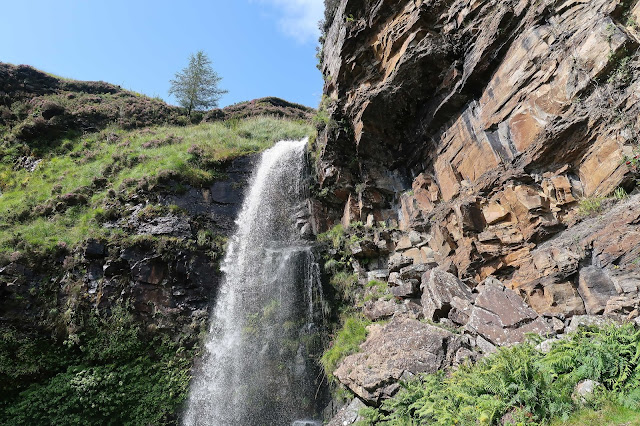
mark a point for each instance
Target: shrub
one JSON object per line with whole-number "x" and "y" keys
{"x": 110, "y": 374}
{"x": 522, "y": 381}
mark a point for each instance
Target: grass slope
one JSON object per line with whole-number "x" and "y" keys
{"x": 68, "y": 195}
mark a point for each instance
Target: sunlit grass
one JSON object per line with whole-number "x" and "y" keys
{"x": 190, "y": 154}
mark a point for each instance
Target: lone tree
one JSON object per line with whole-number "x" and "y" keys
{"x": 196, "y": 86}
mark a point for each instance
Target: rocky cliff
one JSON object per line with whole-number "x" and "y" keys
{"x": 486, "y": 139}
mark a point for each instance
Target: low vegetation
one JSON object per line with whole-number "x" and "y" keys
{"x": 523, "y": 385}
{"x": 109, "y": 374}
{"x": 347, "y": 341}
{"x": 77, "y": 183}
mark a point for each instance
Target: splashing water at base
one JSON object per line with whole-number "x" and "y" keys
{"x": 257, "y": 368}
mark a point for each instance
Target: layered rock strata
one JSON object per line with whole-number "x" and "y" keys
{"x": 478, "y": 129}
{"x": 473, "y": 147}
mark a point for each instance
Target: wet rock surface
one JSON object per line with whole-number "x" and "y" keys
{"x": 168, "y": 276}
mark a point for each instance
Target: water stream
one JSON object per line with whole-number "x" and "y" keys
{"x": 257, "y": 368}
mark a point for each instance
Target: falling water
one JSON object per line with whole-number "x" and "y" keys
{"x": 257, "y": 368}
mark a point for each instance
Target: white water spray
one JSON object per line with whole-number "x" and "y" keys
{"x": 257, "y": 368}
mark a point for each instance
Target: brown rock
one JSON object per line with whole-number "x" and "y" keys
{"x": 398, "y": 350}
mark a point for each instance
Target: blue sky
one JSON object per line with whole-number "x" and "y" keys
{"x": 259, "y": 47}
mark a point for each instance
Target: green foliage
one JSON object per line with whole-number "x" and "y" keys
{"x": 35, "y": 207}
{"x": 377, "y": 290}
{"x": 336, "y": 236}
{"x": 345, "y": 285}
{"x": 589, "y": 206}
{"x": 620, "y": 194}
{"x": 196, "y": 86}
{"x": 347, "y": 341}
{"x": 112, "y": 374}
{"x": 609, "y": 413}
{"x": 533, "y": 387}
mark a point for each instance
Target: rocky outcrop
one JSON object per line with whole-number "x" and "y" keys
{"x": 396, "y": 351}
{"x": 471, "y": 146}
{"x": 166, "y": 270}
{"x": 583, "y": 268}
{"x": 487, "y": 133}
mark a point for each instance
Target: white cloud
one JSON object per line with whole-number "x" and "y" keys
{"x": 299, "y": 18}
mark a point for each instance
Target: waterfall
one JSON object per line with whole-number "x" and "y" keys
{"x": 256, "y": 369}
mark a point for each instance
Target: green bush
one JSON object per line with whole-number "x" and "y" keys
{"x": 110, "y": 374}
{"x": 533, "y": 387}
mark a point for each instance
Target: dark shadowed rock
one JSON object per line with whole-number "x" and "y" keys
{"x": 150, "y": 271}
{"x": 95, "y": 249}
{"x": 595, "y": 288}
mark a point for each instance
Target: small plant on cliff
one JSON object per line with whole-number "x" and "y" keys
{"x": 590, "y": 205}
{"x": 346, "y": 342}
{"x": 196, "y": 86}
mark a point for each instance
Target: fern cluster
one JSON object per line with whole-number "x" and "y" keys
{"x": 530, "y": 386}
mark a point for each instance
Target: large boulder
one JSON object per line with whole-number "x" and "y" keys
{"x": 445, "y": 296}
{"x": 502, "y": 317}
{"x": 396, "y": 351}
{"x": 595, "y": 288}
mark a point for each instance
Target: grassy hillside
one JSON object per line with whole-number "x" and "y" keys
{"x": 75, "y": 184}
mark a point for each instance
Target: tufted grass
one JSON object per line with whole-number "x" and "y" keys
{"x": 346, "y": 342}
{"x": 191, "y": 155}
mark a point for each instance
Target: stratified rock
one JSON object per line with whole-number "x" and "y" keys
{"x": 595, "y": 288}
{"x": 445, "y": 296}
{"x": 396, "y": 351}
{"x": 606, "y": 246}
{"x": 502, "y": 317}
{"x": 398, "y": 261}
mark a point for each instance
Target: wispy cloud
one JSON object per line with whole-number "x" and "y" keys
{"x": 299, "y": 18}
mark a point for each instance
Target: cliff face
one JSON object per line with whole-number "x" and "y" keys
{"x": 483, "y": 139}
{"x": 481, "y": 126}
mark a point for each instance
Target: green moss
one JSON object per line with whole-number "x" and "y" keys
{"x": 346, "y": 342}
